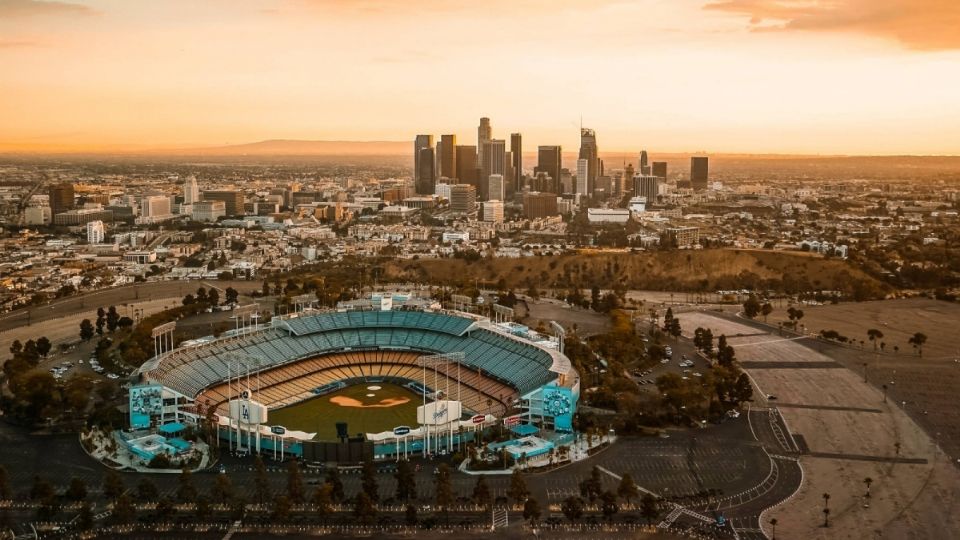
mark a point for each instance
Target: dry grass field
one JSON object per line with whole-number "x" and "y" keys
{"x": 852, "y": 434}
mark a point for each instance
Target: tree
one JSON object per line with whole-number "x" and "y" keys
{"x": 281, "y": 509}
{"x": 867, "y": 482}
{"x": 675, "y": 329}
{"x": 202, "y": 509}
{"x": 364, "y": 508}
{"x": 232, "y": 295}
{"x": 202, "y": 295}
{"x": 368, "y": 481}
{"x": 766, "y": 309}
{"x": 113, "y": 485}
{"x": 213, "y": 297}
{"x": 406, "y": 481}
{"x": 222, "y": 490}
{"x": 649, "y": 508}
{"x": 43, "y": 346}
{"x": 531, "y": 510}
{"x": 261, "y": 484}
{"x": 410, "y": 515}
{"x": 336, "y": 486}
{"x": 113, "y": 318}
{"x": 77, "y": 491}
{"x": 627, "y": 489}
{"x": 85, "y": 518}
{"x": 572, "y": 508}
{"x": 743, "y": 390}
{"x": 917, "y": 340}
{"x": 186, "y": 492}
{"x": 295, "y": 490}
{"x": 123, "y": 511}
{"x": 481, "y": 493}
{"x": 189, "y": 300}
{"x": 608, "y": 504}
{"x": 518, "y": 487}
{"x": 86, "y": 330}
{"x": 443, "y": 489}
{"x": 592, "y": 487}
{"x": 752, "y": 307}
{"x": 725, "y": 353}
{"x": 874, "y": 336}
{"x": 826, "y": 517}
{"x": 773, "y": 523}
{"x": 42, "y": 489}
{"x": 323, "y": 499}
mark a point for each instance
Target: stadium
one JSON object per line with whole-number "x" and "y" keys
{"x": 380, "y": 379}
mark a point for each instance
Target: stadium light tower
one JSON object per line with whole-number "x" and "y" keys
{"x": 560, "y": 332}
{"x": 435, "y": 360}
{"x": 242, "y": 364}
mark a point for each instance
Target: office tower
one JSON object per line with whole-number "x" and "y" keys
{"x": 626, "y": 179}
{"x": 646, "y": 186}
{"x": 494, "y": 162}
{"x": 423, "y": 164}
{"x": 698, "y": 172}
{"x": 463, "y": 198}
{"x": 660, "y": 169}
{"x": 447, "y": 155}
{"x": 95, "y": 232}
{"x": 516, "y": 160}
{"x": 548, "y": 161}
{"x": 541, "y": 181}
{"x": 508, "y": 184}
{"x": 232, "y": 200}
{"x": 644, "y": 167}
{"x": 61, "y": 197}
{"x": 496, "y": 190}
{"x": 583, "y": 174}
{"x": 466, "y": 165}
{"x": 492, "y": 211}
{"x": 484, "y": 134}
{"x": 539, "y": 205}
{"x": 566, "y": 182}
{"x": 191, "y": 191}
{"x": 208, "y": 210}
{"x": 155, "y": 206}
{"x": 589, "y": 152}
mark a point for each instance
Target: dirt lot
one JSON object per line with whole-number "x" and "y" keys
{"x": 835, "y": 412}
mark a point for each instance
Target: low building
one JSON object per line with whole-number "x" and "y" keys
{"x": 608, "y": 215}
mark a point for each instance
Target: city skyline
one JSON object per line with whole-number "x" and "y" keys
{"x": 846, "y": 77}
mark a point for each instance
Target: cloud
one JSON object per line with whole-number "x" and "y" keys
{"x": 927, "y": 25}
{"x": 34, "y": 8}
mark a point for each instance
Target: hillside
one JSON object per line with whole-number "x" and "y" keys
{"x": 706, "y": 270}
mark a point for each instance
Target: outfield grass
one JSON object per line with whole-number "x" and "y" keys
{"x": 320, "y": 414}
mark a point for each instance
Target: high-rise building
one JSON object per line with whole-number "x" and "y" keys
{"x": 494, "y": 162}
{"x": 155, "y": 207}
{"x": 660, "y": 169}
{"x": 699, "y": 172}
{"x": 647, "y": 186}
{"x": 583, "y": 175}
{"x": 548, "y": 161}
{"x": 423, "y": 164}
{"x": 644, "y": 166}
{"x": 448, "y": 156}
{"x": 191, "y": 190}
{"x": 539, "y": 205}
{"x": 466, "y": 165}
{"x": 516, "y": 159}
{"x": 589, "y": 152}
{"x": 484, "y": 134}
{"x": 95, "y": 232}
{"x": 61, "y": 197}
{"x": 492, "y": 211}
{"x": 496, "y": 188}
{"x": 463, "y": 198}
{"x": 208, "y": 210}
{"x": 232, "y": 200}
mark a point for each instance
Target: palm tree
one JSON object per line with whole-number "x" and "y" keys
{"x": 826, "y": 500}
{"x": 773, "y": 523}
{"x": 917, "y": 340}
{"x": 867, "y": 481}
{"x": 826, "y": 517}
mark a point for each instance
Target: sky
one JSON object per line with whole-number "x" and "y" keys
{"x": 741, "y": 76}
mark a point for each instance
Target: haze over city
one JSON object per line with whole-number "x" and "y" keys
{"x": 843, "y": 77}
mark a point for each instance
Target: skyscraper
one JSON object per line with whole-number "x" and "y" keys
{"x": 698, "y": 172}
{"x": 548, "y": 161}
{"x": 423, "y": 164}
{"x": 191, "y": 191}
{"x": 494, "y": 162}
{"x": 61, "y": 197}
{"x": 484, "y": 134}
{"x": 495, "y": 187}
{"x": 644, "y": 167}
{"x": 583, "y": 175}
{"x": 448, "y": 156}
{"x": 466, "y": 157}
{"x": 516, "y": 155}
{"x": 660, "y": 169}
{"x": 646, "y": 186}
{"x": 463, "y": 198}
{"x": 589, "y": 152}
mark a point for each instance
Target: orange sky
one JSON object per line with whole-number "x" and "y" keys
{"x": 760, "y": 76}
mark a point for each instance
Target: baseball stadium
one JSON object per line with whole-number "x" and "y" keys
{"x": 394, "y": 379}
